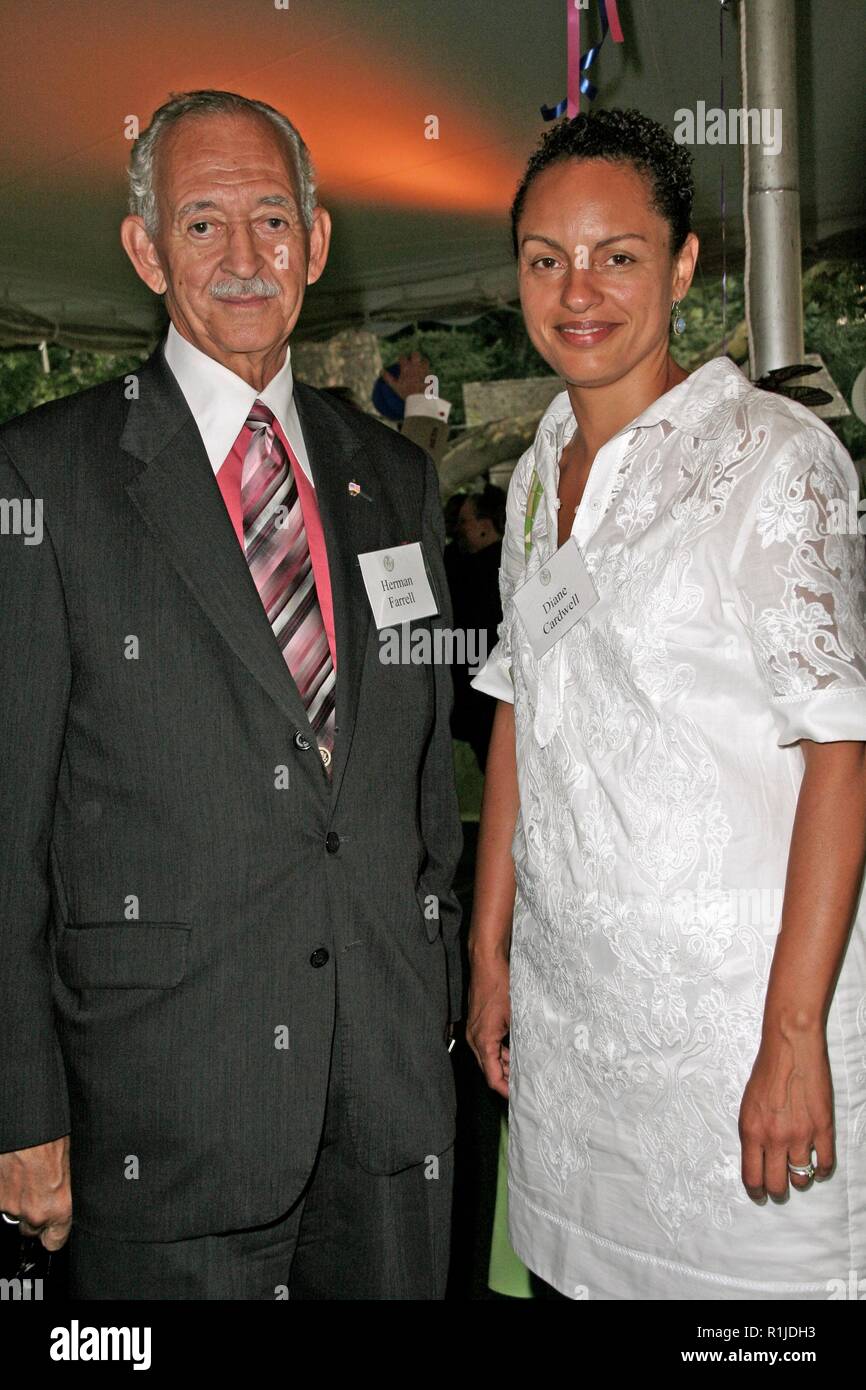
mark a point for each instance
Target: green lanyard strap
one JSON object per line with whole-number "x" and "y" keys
{"x": 536, "y": 492}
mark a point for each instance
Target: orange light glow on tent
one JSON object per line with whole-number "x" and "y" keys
{"x": 360, "y": 106}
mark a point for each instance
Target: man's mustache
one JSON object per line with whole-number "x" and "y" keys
{"x": 235, "y": 288}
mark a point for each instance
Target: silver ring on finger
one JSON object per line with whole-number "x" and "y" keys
{"x": 10, "y": 1220}
{"x": 803, "y": 1170}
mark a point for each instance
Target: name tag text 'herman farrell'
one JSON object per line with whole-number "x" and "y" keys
{"x": 397, "y": 584}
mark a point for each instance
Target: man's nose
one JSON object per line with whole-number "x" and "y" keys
{"x": 243, "y": 257}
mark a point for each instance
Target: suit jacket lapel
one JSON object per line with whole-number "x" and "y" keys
{"x": 178, "y": 497}
{"x": 352, "y": 523}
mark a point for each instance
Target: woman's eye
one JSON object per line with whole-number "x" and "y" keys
{"x": 545, "y": 261}
{"x": 620, "y": 258}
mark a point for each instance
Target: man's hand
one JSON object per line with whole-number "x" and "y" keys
{"x": 489, "y": 1021}
{"x": 34, "y": 1185}
{"x": 414, "y": 370}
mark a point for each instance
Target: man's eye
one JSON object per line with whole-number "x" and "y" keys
{"x": 199, "y": 227}
{"x": 621, "y": 258}
{"x": 276, "y": 222}
{"x": 545, "y": 261}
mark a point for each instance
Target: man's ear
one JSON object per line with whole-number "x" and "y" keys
{"x": 141, "y": 251}
{"x": 320, "y": 241}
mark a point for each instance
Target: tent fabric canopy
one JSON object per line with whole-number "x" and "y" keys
{"x": 420, "y": 225}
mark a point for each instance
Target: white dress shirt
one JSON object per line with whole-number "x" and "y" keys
{"x": 220, "y": 400}
{"x": 659, "y": 772}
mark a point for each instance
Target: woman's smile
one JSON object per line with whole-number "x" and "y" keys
{"x": 584, "y": 333}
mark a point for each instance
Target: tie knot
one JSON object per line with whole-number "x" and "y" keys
{"x": 259, "y": 415}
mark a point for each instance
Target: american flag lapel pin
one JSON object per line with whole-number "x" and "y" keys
{"x": 355, "y": 490}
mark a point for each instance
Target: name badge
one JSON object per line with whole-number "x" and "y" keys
{"x": 556, "y": 598}
{"x": 397, "y": 584}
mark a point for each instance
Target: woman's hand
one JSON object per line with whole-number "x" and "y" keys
{"x": 489, "y": 1021}
{"x": 787, "y": 1111}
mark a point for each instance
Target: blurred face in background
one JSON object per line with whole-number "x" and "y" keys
{"x": 595, "y": 269}
{"x": 472, "y": 532}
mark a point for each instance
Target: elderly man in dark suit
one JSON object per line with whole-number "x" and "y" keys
{"x": 228, "y": 939}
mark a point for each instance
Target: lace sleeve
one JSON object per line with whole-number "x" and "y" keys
{"x": 799, "y": 571}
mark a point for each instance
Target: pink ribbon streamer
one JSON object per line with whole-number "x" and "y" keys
{"x": 610, "y": 21}
{"x": 573, "y": 91}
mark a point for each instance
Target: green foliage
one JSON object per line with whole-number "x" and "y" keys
{"x": 24, "y": 384}
{"x": 835, "y": 326}
{"x": 705, "y": 323}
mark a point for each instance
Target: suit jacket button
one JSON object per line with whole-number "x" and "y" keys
{"x": 302, "y": 742}
{"x": 332, "y": 842}
{"x": 319, "y": 958}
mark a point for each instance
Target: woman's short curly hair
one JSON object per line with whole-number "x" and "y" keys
{"x": 624, "y": 137}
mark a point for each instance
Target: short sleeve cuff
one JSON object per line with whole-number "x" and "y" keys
{"x": 433, "y": 406}
{"x": 494, "y": 678}
{"x": 828, "y": 716}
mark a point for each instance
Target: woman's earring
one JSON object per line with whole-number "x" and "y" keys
{"x": 679, "y": 321}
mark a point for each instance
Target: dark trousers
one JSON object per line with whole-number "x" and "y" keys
{"x": 351, "y": 1235}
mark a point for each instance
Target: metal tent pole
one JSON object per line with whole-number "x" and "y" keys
{"x": 774, "y": 296}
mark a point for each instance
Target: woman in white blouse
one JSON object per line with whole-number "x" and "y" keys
{"x": 674, "y": 824}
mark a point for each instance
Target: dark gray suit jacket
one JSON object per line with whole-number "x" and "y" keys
{"x": 186, "y": 1047}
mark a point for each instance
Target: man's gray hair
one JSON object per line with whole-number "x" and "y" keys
{"x": 142, "y": 195}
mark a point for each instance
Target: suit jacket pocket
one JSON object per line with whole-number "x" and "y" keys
{"x": 123, "y": 955}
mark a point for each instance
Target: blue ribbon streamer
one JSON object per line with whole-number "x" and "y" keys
{"x": 553, "y": 113}
{"x": 588, "y": 88}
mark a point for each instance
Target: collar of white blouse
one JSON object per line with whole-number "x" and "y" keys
{"x": 698, "y": 406}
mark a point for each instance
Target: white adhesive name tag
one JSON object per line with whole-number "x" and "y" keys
{"x": 556, "y": 598}
{"x": 397, "y": 584}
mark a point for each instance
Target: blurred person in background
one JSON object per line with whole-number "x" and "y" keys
{"x": 472, "y": 566}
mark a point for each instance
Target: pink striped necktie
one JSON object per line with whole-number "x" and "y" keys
{"x": 278, "y": 554}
